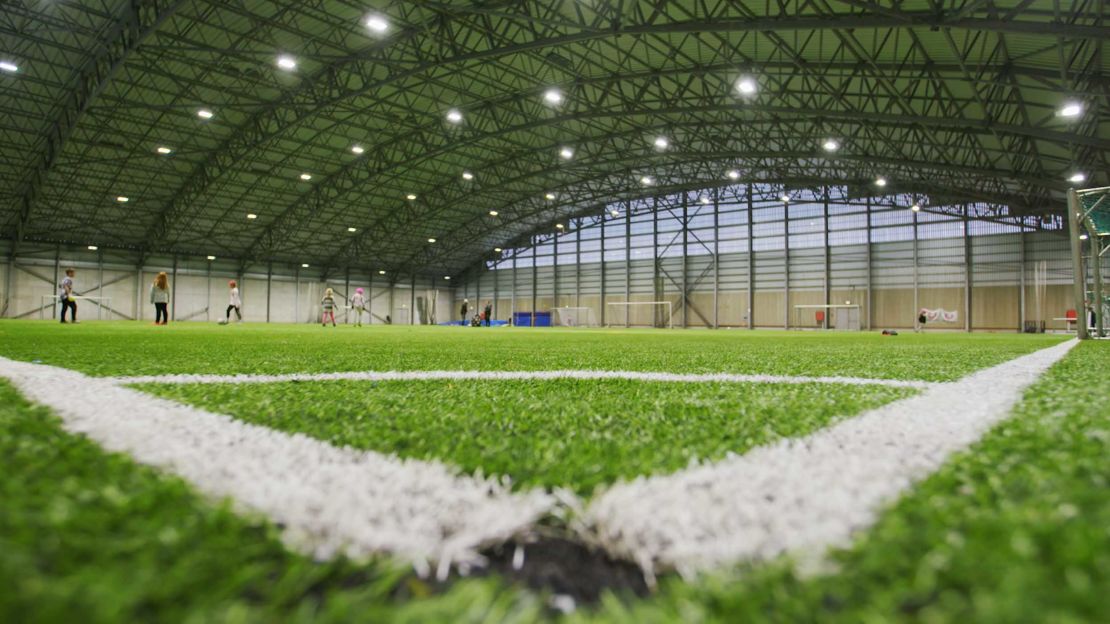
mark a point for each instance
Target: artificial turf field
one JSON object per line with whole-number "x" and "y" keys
{"x": 1014, "y": 529}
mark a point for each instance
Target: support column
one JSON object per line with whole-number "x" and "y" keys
{"x": 827, "y": 259}
{"x": 512, "y": 295}
{"x": 1079, "y": 282}
{"x": 916, "y": 301}
{"x": 627, "y": 260}
{"x": 555, "y": 271}
{"x": 370, "y": 299}
{"x": 9, "y": 280}
{"x": 269, "y": 284}
{"x": 346, "y": 295}
{"x": 751, "y": 264}
{"x": 716, "y": 258}
{"x": 968, "y": 268}
{"x": 601, "y": 304}
{"x": 870, "y": 275}
{"x": 100, "y": 286}
{"x": 412, "y": 300}
{"x": 296, "y": 295}
{"x": 173, "y": 291}
{"x": 57, "y": 271}
{"x": 1021, "y": 281}
{"x": 535, "y": 286}
{"x": 786, "y": 261}
{"x": 685, "y": 241}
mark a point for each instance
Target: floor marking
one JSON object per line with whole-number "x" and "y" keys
{"x": 329, "y": 499}
{"x": 804, "y": 494}
{"x": 449, "y": 375}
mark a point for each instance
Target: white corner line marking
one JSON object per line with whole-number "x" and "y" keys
{"x": 330, "y": 500}
{"x": 805, "y": 494}
{"x": 451, "y": 375}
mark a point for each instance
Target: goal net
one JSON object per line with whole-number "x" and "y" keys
{"x": 573, "y": 317}
{"x": 639, "y": 313}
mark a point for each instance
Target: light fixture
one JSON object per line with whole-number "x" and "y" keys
{"x": 746, "y": 85}
{"x": 733, "y": 174}
{"x": 785, "y": 198}
{"x": 9, "y": 67}
{"x": 614, "y": 213}
{"x": 558, "y": 226}
{"x": 382, "y": 272}
{"x": 1081, "y": 237}
{"x": 553, "y": 96}
{"x": 497, "y": 249}
{"x": 304, "y": 265}
{"x": 647, "y": 180}
{"x": 251, "y": 215}
{"x": 454, "y": 116}
{"x": 880, "y": 182}
{"x": 493, "y": 213}
{"x": 306, "y": 176}
{"x": 123, "y": 200}
{"x": 447, "y": 277}
{"x": 287, "y": 63}
{"x": 204, "y": 113}
{"x": 211, "y": 257}
{"x": 357, "y": 149}
{"x": 661, "y": 143}
{"x": 164, "y": 150}
{"x": 467, "y": 175}
{"x": 1077, "y": 177}
{"x": 431, "y": 240}
{"x": 830, "y": 145}
{"x": 704, "y": 201}
{"x": 1070, "y": 109}
{"x": 916, "y": 207}
{"x": 377, "y": 24}
{"x": 549, "y": 196}
{"x": 411, "y": 197}
{"x": 93, "y": 248}
{"x": 352, "y": 230}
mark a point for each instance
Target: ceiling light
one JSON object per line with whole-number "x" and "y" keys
{"x": 553, "y": 97}
{"x": 431, "y": 240}
{"x": 1081, "y": 237}
{"x": 306, "y": 176}
{"x": 733, "y": 174}
{"x": 410, "y": 197}
{"x": 880, "y": 182}
{"x": 357, "y": 149}
{"x": 211, "y": 257}
{"x": 493, "y": 213}
{"x": 830, "y": 145}
{"x": 377, "y": 23}
{"x": 785, "y": 198}
{"x": 467, "y": 175}
{"x": 916, "y": 207}
{"x": 287, "y": 62}
{"x": 566, "y": 153}
{"x": 352, "y": 230}
{"x": 204, "y": 113}
{"x": 746, "y": 85}
{"x": 661, "y": 143}
{"x": 454, "y": 116}
{"x": 497, "y": 249}
{"x": 447, "y": 277}
{"x": 704, "y": 201}
{"x": 558, "y": 226}
{"x": 381, "y": 272}
{"x": 93, "y": 247}
{"x": 1070, "y": 109}
{"x": 1077, "y": 177}
{"x": 549, "y": 196}
{"x": 123, "y": 200}
{"x": 304, "y": 265}
{"x": 647, "y": 180}
{"x": 8, "y": 67}
{"x": 614, "y": 213}
{"x": 164, "y": 150}
{"x": 251, "y": 215}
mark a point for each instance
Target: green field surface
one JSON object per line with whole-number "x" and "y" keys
{"x": 124, "y": 348}
{"x": 564, "y": 432}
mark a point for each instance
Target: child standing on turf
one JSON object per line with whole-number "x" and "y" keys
{"x": 67, "y": 296}
{"x": 328, "y": 306}
{"x": 234, "y": 302}
{"x": 160, "y": 297}
{"x": 358, "y": 302}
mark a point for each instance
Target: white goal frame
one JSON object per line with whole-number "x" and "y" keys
{"x": 829, "y": 307}
{"x": 628, "y": 304}
{"x": 589, "y": 313}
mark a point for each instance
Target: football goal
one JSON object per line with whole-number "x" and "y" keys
{"x": 843, "y": 317}
{"x": 640, "y": 313}
{"x": 573, "y": 317}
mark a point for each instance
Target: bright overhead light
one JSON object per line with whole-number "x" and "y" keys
{"x": 357, "y": 149}
{"x": 454, "y": 116}
{"x": 1077, "y": 177}
{"x": 880, "y": 182}
{"x": 1081, "y": 237}
{"x": 1070, "y": 109}
{"x": 431, "y": 240}
{"x": 204, "y": 113}
{"x": 9, "y": 67}
{"x": 553, "y": 96}
{"x": 381, "y": 272}
{"x": 304, "y": 265}
{"x": 733, "y": 174}
{"x": 164, "y": 150}
{"x": 647, "y": 180}
{"x": 497, "y": 249}
{"x": 410, "y": 196}
{"x": 351, "y": 229}
{"x": 566, "y": 153}
{"x": 661, "y": 143}
{"x": 493, "y": 213}
{"x": 211, "y": 257}
{"x": 447, "y": 277}
{"x": 785, "y": 198}
{"x": 251, "y": 215}
{"x": 549, "y": 196}
{"x": 287, "y": 62}
{"x": 93, "y": 247}
{"x": 614, "y": 213}
{"x": 746, "y": 85}
{"x": 123, "y": 200}
{"x": 377, "y": 24}
{"x": 830, "y": 145}
{"x": 704, "y": 201}
{"x": 467, "y": 175}
{"x": 558, "y": 226}
{"x": 916, "y": 207}
{"x": 306, "y": 176}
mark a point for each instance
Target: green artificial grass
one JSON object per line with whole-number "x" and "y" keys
{"x": 127, "y": 348}
{"x": 87, "y": 536}
{"x": 575, "y": 433}
{"x": 1013, "y": 530}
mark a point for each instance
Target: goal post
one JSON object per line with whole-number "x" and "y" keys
{"x": 573, "y": 317}
{"x": 842, "y": 317}
{"x": 662, "y": 313}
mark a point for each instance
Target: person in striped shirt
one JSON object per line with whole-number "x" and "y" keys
{"x": 327, "y": 304}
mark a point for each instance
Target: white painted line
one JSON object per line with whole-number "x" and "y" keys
{"x": 329, "y": 499}
{"x": 804, "y": 495}
{"x": 450, "y": 375}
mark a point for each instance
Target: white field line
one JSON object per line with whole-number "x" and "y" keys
{"x": 329, "y": 499}
{"x": 450, "y": 375}
{"x": 806, "y": 494}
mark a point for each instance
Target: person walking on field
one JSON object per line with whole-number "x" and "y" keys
{"x": 358, "y": 302}
{"x": 160, "y": 297}
{"x": 234, "y": 303}
{"x": 327, "y": 305}
{"x": 463, "y": 311}
{"x": 487, "y": 313}
{"x": 67, "y": 296}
